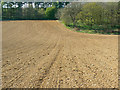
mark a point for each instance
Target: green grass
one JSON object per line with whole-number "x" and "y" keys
{"x": 87, "y": 30}
{"x": 70, "y": 28}
{"x": 93, "y": 32}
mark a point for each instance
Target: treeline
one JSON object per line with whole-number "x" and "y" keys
{"x": 30, "y": 10}
{"x": 100, "y": 17}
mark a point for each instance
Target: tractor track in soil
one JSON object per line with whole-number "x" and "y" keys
{"x": 44, "y": 54}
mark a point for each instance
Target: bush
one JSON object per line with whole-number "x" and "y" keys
{"x": 50, "y": 12}
{"x": 100, "y": 17}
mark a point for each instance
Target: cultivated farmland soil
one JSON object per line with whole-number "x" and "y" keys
{"x": 44, "y": 54}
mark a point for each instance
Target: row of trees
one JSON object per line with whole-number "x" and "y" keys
{"x": 98, "y": 16}
{"x": 29, "y": 10}
{"x": 102, "y": 17}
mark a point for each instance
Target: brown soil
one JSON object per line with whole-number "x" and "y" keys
{"x": 44, "y": 54}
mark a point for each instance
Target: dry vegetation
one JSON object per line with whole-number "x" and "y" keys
{"x": 45, "y": 54}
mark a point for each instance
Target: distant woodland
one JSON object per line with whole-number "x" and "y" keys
{"x": 100, "y": 17}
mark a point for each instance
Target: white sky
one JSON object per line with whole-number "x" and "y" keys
{"x": 61, "y": 0}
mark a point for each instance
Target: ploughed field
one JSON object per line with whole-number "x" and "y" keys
{"x": 44, "y": 54}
